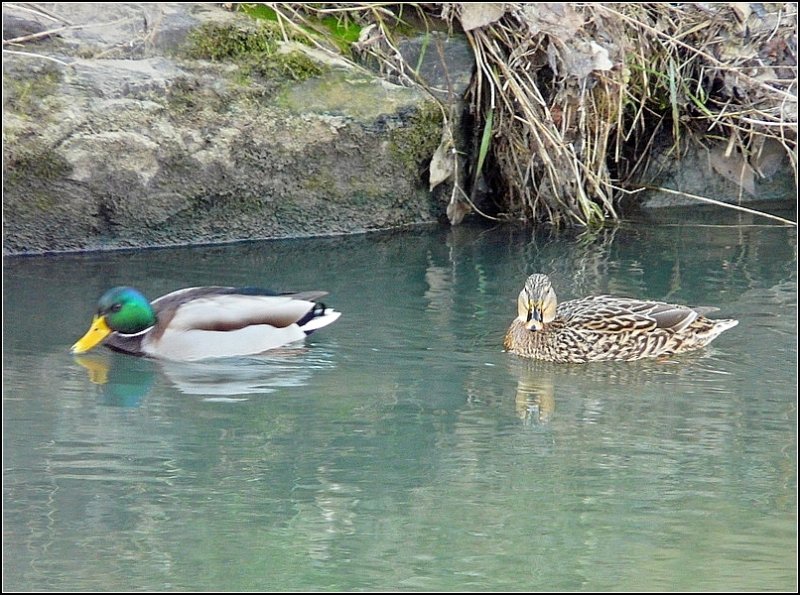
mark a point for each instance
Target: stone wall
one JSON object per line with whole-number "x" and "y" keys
{"x": 124, "y": 140}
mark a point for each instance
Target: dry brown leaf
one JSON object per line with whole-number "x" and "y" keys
{"x": 584, "y": 57}
{"x": 457, "y": 210}
{"x": 557, "y": 19}
{"x": 442, "y": 164}
{"x": 742, "y": 10}
{"x": 479, "y": 14}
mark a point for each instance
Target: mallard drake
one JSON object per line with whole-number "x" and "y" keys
{"x": 203, "y": 322}
{"x": 604, "y": 328}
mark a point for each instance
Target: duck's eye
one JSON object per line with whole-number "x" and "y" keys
{"x": 115, "y": 308}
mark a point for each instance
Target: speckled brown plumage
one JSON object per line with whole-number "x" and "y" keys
{"x": 604, "y": 328}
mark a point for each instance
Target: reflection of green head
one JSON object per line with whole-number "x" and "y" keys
{"x": 126, "y": 310}
{"x": 130, "y": 379}
{"x": 124, "y": 381}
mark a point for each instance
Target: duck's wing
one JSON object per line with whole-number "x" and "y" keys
{"x": 611, "y": 314}
{"x": 231, "y": 308}
{"x": 206, "y": 322}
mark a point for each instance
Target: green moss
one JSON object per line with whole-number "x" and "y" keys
{"x": 337, "y": 188}
{"x": 321, "y": 181}
{"x": 294, "y": 65}
{"x": 342, "y": 30}
{"x": 31, "y": 96}
{"x": 415, "y": 143}
{"x": 182, "y": 97}
{"x": 28, "y": 181}
{"x": 210, "y": 205}
{"x": 41, "y": 201}
{"x": 30, "y": 162}
{"x": 253, "y": 49}
{"x": 218, "y": 42}
{"x": 188, "y": 96}
{"x": 259, "y": 11}
{"x": 346, "y": 93}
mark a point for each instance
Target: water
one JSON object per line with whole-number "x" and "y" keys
{"x": 401, "y": 449}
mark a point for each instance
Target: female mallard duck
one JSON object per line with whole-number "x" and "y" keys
{"x": 604, "y": 328}
{"x": 202, "y": 322}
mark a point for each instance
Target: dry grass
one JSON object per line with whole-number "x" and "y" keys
{"x": 570, "y": 97}
{"x": 579, "y": 102}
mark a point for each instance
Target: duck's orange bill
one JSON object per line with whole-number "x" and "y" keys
{"x": 98, "y": 331}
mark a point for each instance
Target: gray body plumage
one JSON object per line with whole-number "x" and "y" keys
{"x": 205, "y": 322}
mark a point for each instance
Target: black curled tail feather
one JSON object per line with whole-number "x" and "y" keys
{"x": 317, "y": 310}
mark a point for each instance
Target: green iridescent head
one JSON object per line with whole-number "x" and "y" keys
{"x": 121, "y": 309}
{"x": 126, "y": 310}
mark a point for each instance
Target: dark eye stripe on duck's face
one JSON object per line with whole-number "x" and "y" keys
{"x": 537, "y": 302}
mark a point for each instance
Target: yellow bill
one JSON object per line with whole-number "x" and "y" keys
{"x": 98, "y": 331}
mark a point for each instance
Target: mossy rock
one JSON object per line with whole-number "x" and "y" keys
{"x": 255, "y": 49}
{"x": 415, "y": 143}
{"x": 348, "y": 93}
{"x": 31, "y": 96}
{"x": 227, "y": 41}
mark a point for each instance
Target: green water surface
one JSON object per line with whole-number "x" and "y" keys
{"x": 401, "y": 449}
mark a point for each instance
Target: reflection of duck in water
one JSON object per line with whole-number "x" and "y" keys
{"x": 126, "y": 381}
{"x": 535, "y": 399}
{"x": 203, "y": 322}
{"x": 604, "y": 328}
{"x": 237, "y": 377}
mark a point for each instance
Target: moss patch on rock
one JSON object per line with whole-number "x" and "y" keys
{"x": 294, "y": 65}
{"x": 254, "y": 49}
{"x": 347, "y": 93}
{"x": 32, "y": 161}
{"x": 415, "y": 143}
{"x": 30, "y": 96}
{"x": 219, "y": 41}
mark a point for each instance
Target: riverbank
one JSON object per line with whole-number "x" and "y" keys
{"x": 110, "y": 145}
{"x": 168, "y": 124}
